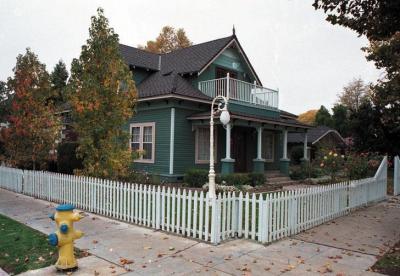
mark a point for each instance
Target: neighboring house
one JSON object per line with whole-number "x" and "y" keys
{"x": 171, "y": 124}
{"x": 318, "y": 137}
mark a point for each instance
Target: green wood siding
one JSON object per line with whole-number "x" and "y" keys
{"x": 139, "y": 75}
{"x": 160, "y": 114}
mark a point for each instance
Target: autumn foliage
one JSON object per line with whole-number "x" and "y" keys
{"x": 102, "y": 95}
{"x": 33, "y": 127}
{"x": 308, "y": 117}
{"x": 168, "y": 40}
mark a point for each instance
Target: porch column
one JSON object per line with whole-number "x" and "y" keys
{"x": 305, "y": 157}
{"x": 227, "y": 164}
{"x": 258, "y": 163}
{"x": 284, "y": 162}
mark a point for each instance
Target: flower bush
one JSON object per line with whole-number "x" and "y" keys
{"x": 331, "y": 163}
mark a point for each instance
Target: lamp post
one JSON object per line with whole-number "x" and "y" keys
{"x": 224, "y": 118}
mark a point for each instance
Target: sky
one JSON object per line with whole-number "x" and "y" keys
{"x": 289, "y": 44}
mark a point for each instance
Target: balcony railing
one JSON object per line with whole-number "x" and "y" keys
{"x": 241, "y": 91}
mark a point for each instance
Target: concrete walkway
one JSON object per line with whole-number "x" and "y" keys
{"x": 347, "y": 246}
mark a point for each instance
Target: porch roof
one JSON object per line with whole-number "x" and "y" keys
{"x": 281, "y": 121}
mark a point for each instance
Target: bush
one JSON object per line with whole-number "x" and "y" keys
{"x": 241, "y": 179}
{"x": 297, "y": 154}
{"x": 196, "y": 178}
{"x": 257, "y": 179}
{"x": 356, "y": 166}
{"x": 66, "y": 158}
{"x": 306, "y": 170}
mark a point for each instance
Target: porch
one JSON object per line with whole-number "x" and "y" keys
{"x": 248, "y": 143}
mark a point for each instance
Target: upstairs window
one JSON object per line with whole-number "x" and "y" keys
{"x": 143, "y": 141}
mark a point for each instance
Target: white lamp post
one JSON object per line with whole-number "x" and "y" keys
{"x": 224, "y": 117}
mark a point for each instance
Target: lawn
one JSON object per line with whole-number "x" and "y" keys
{"x": 389, "y": 264}
{"x": 23, "y": 248}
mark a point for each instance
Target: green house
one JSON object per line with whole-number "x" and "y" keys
{"x": 171, "y": 127}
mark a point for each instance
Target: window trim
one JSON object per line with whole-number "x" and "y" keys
{"x": 141, "y": 132}
{"x": 272, "y": 134}
{"x": 197, "y": 160}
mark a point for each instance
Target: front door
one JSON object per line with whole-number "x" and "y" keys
{"x": 239, "y": 148}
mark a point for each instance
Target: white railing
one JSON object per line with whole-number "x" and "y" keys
{"x": 396, "y": 178}
{"x": 241, "y": 91}
{"x": 262, "y": 217}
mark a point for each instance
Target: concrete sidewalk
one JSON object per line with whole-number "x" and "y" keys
{"x": 347, "y": 246}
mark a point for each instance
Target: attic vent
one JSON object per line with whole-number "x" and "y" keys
{"x": 167, "y": 73}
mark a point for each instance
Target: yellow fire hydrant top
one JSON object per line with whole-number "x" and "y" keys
{"x": 65, "y": 235}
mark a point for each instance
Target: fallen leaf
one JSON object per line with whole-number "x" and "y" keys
{"x": 124, "y": 261}
{"x": 41, "y": 259}
{"x": 147, "y": 247}
{"x": 96, "y": 273}
{"x": 94, "y": 241}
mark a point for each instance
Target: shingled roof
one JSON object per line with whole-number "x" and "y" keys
{"x": 168, "y": 69}
{"x": 313, "y": 135}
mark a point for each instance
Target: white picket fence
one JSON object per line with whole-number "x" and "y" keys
{"x": 396, "y": 178}
{"x": 260, "y": 217}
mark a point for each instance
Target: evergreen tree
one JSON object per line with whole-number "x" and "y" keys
{"x": 323, "y": 117}
{"x": 33, "y": 128}
{"x": 58, "y": 79}
{"x": 103, "y": 96}
{"x": 340, "y": 119}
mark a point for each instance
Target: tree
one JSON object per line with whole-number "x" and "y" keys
{"x": 379, "y": 21}
{"x": 353, "y": 94}
{"x": 33, "y": 128}
{"x": 340, "y": 119}
{"x": 102, "y": 94}
{"x": 168, "y": 40}
{"x": 5, "y": 102}
{"x": 58, "y": 79}
{"x": 323, "y": 117}
{"x": 308, "y": 117}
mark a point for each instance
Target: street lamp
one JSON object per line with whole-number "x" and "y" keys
{"x": 224, "y": 117}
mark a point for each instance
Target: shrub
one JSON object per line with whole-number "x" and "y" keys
{"x": 241, "y": 179}
{"x": 257, "y": 179}
{"x": 297, "y": 154}
{"x": 196, "y": 178}
{"x": 67, "y": 161}
{"x": 356, "y": 166}
{"x": 306, "y": 170}
{"x": 331, "y": 163}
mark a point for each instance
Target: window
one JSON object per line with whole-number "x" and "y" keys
{"x": 203, "y": 145}
{"x": 142, "y": 140}
{"x": 268, "y": 146}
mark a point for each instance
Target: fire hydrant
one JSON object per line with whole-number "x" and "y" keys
{"x": 64, "y": 237}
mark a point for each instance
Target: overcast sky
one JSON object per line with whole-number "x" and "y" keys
{"x": 290, "y": 45}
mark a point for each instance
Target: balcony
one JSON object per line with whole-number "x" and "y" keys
{"x": 241, "y": 91}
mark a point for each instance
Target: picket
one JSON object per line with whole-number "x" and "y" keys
{"x": 260, "y": 217}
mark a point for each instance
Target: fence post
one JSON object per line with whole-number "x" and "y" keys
{"x": 215, "y": 220}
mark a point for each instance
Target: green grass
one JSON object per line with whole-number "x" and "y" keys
{"x": 389, "y": 264}
{"x": 23, "y": 248}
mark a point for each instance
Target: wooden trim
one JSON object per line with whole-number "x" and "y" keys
{"x": 326, "y": 133}
{"x": 153, "y": 138}
{"x": 234, "y": 40}
{"x": 174, "y": 96}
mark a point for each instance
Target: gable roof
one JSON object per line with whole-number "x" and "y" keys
{"x": 136, "y": 57}
{"x": 313, "y": 135}
{"x": 173, "y": 65}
